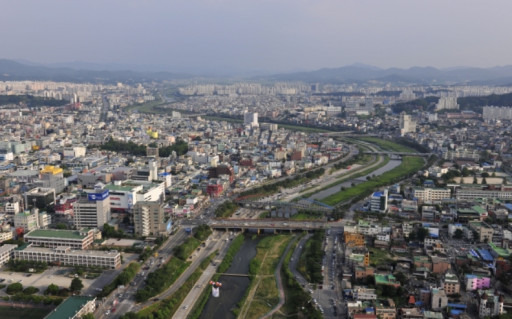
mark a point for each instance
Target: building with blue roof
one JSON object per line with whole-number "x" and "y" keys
{"x": 379, "y": 201}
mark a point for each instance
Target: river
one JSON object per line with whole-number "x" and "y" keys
{"x": 332, "y": 190}
{"x": 233, "y": 288}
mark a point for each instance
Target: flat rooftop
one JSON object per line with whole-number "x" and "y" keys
{"x": 70, "y": 307}
{"x": 79, "y": 252}
{"x": 59, "y": 233}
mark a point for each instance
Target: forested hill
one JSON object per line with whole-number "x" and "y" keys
{"x": 31, "y": 101}
{"x": 476, "y": 103}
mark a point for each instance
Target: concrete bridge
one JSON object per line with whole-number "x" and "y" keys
{"x": 399, "y": 153}
{"x": 265, "y": 225}
{"x": 301, "y": 205}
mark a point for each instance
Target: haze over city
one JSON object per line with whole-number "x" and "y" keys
{"x": 255, "y": 159}
{"x": 255, "y": 37}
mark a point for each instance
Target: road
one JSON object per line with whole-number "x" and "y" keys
{"x": 203, "y": 282}
{"x": 125, "y": 297}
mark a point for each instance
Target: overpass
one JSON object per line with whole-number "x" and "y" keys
{"x": 300, "y": 205}
{"x": 398, "y": 153}
{"x": 265, "y": 225}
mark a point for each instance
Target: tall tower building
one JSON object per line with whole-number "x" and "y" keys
{"x": 251, "y": 119}
{"x": 407, "y": 124}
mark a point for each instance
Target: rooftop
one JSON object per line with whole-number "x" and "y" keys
{"x": 69, "y": 307}
{"x": 54, "y": 233}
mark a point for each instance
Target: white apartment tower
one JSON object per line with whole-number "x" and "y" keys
{"x": 251, "y": 119}
{"x": 407, "y": 124}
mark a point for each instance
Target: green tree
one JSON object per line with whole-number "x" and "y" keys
{"x": 61, "y": 226}
{"x": 88, "y": 316}
{"x": 76, "y": 285}
{"x": 52, "y": 290}
{"x": 458, "y": 234}
{"x": 14, "y": 288}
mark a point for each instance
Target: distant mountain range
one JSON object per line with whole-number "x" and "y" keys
{"x": 359, "y": 73}
{"x": 356, "y": 73}
{"x": 15, "y": 71}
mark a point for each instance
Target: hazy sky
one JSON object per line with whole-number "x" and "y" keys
{"x": 265, "y": 35}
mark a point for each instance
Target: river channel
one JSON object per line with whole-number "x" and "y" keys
{"x": 233, "y": 288}
{"x": 332, "y": 190}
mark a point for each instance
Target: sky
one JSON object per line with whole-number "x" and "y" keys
{"x": 258, "y": 35}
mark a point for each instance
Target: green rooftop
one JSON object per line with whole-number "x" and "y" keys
{"x": 112, "y": 187}
{"x": 386, "y": 280}
{"x": 69, "y": 308}
{"x": 502, "y": 252}
{"x": 61, "y": 233}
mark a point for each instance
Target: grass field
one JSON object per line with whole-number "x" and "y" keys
{"x": 262, "y": 294}
{"x": 388, "y": 145}
{"x": 23, "y": 313}
{"x": 409, "y": 165}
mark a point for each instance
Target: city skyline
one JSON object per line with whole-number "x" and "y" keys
{"x": 259, "y": 37}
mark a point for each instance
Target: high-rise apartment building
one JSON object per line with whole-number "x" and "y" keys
{"x": 149, "y": 219}
{"x": 407, "y": 124}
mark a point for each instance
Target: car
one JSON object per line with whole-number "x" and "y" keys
{"x": 113, "y": 310}
{"x": 185, "y": 307}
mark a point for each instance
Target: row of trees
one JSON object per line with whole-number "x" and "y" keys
{"x": 286, "y": 183}
{"x": 180, "y": 147}
{"x": 30, "y": 100}
{"x": 52, "y": 290}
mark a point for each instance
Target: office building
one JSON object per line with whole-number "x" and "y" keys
{"x": 52, "y": 238}
{"x": 67, "y": 257}
{"x": 379, "y": 201}
{"x": 92, "y": 209}
{"x": 31, "y": 219}
{"x": 53, "y": 177}
{"x": 40, "y": 197}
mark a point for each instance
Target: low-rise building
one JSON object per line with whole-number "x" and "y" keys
{"x": 52, "y": 238}
{"x": 6, "y": 252}
{"x": 477, "y": 282}
{"x": 66, "y": 256}
{"x": 74, "y": 307}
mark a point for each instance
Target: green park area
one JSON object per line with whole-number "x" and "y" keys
{"x": 262, "y": 294}
{"x": 409, "y": 166}
{"x": 388, "y": 145}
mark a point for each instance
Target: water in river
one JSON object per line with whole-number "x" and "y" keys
{"x": 332, "y": 190}
{"x": 233, "y": 288}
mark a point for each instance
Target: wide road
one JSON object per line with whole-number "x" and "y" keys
{"x": 126, "y": 297}
{"x": 203, "y": 282}
{"x": 197, "y": 257}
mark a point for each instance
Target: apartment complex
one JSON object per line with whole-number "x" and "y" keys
{"x": 5, "y": 253}
{"x": 149, "y": 219}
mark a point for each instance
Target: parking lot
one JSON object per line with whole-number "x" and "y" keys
{"x": 54, "y": 275}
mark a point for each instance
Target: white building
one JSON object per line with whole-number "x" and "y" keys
{"x": 67, "y": 256}
{"x": 5, "y": 253}
{"x": 52, "y": 238}
{"x": 251, "y": 119}
{"x": 431, "y": 194}
{"x": 407, "y": 124}
{"x": 447, "y": 103}
{"x": 92, "y": 209}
